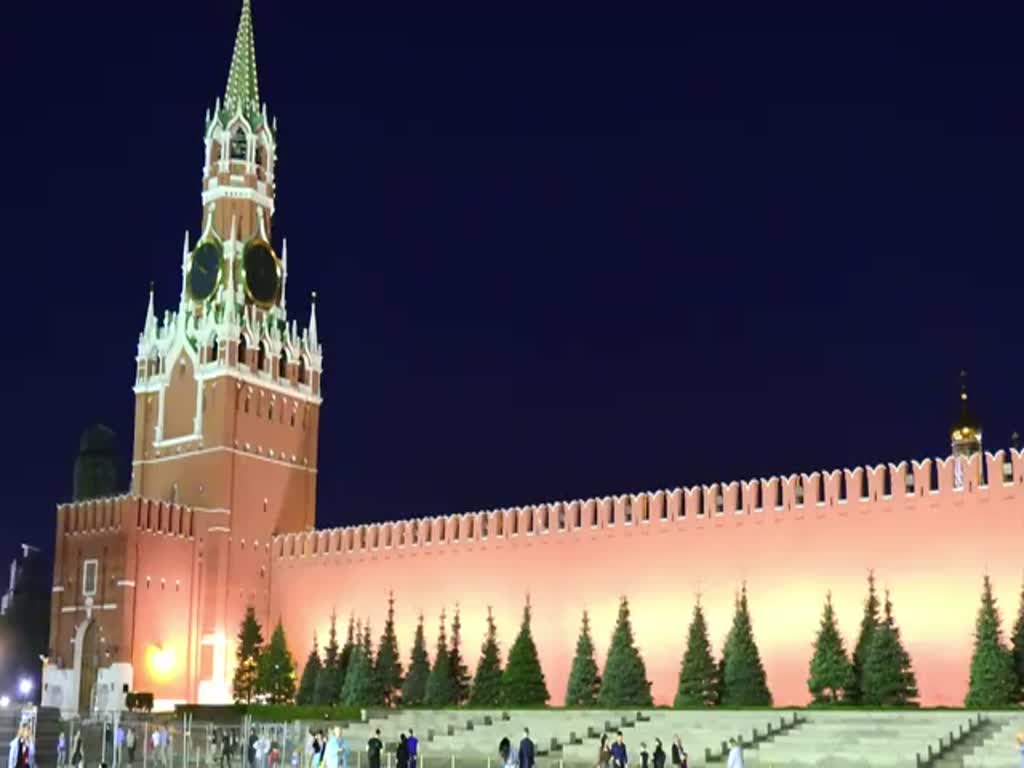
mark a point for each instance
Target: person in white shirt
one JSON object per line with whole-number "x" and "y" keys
{"x": 735, "y": 754}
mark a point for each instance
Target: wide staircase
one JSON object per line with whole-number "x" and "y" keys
{"x": 838, "y": 739}
{"x": 996, "y": 747}
{"x": 769, "y": 738}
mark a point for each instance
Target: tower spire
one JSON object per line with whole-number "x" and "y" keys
{"x": 242, "y": 93}
{"x": 966, "y": 429}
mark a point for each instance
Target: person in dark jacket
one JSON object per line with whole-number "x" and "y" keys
{"x": 402, "y": 753}
{"x": 504, "y": 750}
{"x": 645, "y": 756}
{"x": 619, "y": 757}
{"x": 527, "y": 754}
{"x": 374, "y": 747}
{"x": 658, "y": 757}
{"x": 678, "y": 753}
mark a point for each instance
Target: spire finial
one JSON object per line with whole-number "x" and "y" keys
{"x": 242, "y": 94}
{"x": 311, "y": 330}
{"x": 963, "y": 384}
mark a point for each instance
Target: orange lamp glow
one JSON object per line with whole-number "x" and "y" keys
{"x": 161, "y": 662}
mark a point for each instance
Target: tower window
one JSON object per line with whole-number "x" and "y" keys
{"x": 302, "y": 370}
{"x": 243, "y": 351}
{"x": 239, "y": 145}
{"x": 261, "y": 358}
{"x": 282, "y": 368}
{"x": 90, "y": 571}
{"x": 261, "y": 156}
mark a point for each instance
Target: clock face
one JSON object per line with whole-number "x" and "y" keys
{"x": 204, "y": 273}
{"x": 262, "y": 273}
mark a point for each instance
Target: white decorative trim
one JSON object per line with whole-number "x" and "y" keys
{"x": 235, "y": 451}
{"x": 57, "y": 589}
{"x": 173, "y": 441}
{"x": 238, "y": 193}
{"x": 126, "y": 583}
{"x": 211, "y": 371}
{"x": 219, "y": 529}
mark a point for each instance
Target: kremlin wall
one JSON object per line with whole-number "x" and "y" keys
{"x": 790, "y": 539}
{"x": 150, "y": 587}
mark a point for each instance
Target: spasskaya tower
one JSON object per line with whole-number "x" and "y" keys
{"x": 227, "y": 404}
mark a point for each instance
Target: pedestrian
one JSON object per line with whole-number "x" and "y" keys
{"x": 373, "y": 748}
{"x": 129, "y": 745}
{"x": 118, "y": 744}
{"x": 402, "y": 753}
{"x": 735, "y": 754}
{"x": 644, "y": 755}
{"x": 527, "y": 753}
{"x": 344, "y": 750}
{"x": 155, "y": 745}
{"x": 62, "y": 750}
{"x": 505, "y": 752}
{"x": 20, "y": 755}
{"x": 330, "y": 759}
{"x": 604, "y": 754}
{"x": 678, "y": 753}
{"x": 250, "y": 752}
{"x": 225, "y": 750}
{"x": 414, "y": 749}
{"x": 77, "y": 755}
{"x": 659, "y": 754}
{"x": 619, "y": 757}
{"x": 1020, "y": 747}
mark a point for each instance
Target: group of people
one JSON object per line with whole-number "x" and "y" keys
{"x": 615, "y": 755}
{"x": 331, "y": 750}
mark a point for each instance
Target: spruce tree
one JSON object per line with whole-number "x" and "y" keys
{"x": 522, "y": 683}
{"x": 328, "y": 682}
{"x": 376, "y": 695}
{"x": 277, "y": 670}
{"x": 388, "y": 667}
{"x": 310, "y": 672}
{"x": 352, "y": 639}
{"x": 698, "y": 673}
{"x": 456, "y": 664}
{"x": 868, "y": 624}
{"x": 584, "y": 677}
{"x": 744, "y": 683}
{"x": 1017, "y": 647}
{"x": 889, "y": 679}
{"x": 831, "y": 671}
{"x": 440, "y": 688}
{"x": 359, "y": 689}
{"x": 247, "y": 655}
{"x": 414, "y": 687}
{"x": 486, "y": 690}
{"x": 624, "y": 682}
{"x": 993, "y": 678}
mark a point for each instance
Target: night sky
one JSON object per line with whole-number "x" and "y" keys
{"x": 557, "y": 256}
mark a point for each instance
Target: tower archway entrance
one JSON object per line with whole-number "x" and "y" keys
{"x": 88, "y": 668}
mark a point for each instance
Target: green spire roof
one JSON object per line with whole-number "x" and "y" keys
{"x": 243, "y": 91}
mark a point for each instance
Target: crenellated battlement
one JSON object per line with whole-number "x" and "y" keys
{"x": 120, "y": 514}
{"x": 900, "y": 483}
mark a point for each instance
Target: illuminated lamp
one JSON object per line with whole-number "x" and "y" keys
{"x": 161, "y": 662}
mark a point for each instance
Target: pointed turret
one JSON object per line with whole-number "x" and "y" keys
{"x": 313, "y": 336}
{"x": 149, "y": 326}
{"x": 242, "y": 94}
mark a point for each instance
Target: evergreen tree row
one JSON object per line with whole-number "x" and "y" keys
{"x": 877, "y": 673}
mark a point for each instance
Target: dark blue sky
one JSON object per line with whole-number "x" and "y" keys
{"x": 558, "y": 256}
